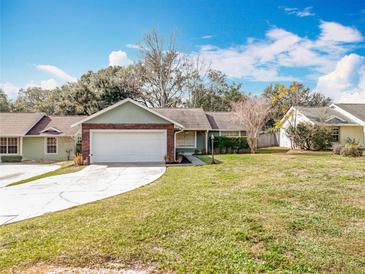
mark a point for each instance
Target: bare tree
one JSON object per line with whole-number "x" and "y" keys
{"x": 254, "y": 112}
{"x": 164, "y": 72}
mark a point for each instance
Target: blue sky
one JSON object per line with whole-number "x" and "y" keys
{"x": 320, "y": 43}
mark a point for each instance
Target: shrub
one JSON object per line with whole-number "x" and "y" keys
{"x": 11, "y": 159}
{"x": 351, "y": 148}
{"x": 231, "y": 144}
{"x": 337, "y": 149}
{"x": 310, "y": 137}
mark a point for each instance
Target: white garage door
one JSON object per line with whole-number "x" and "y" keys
{"x": 128, "y": 146}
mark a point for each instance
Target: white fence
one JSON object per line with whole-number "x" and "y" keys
{"x": 268, "y": 140}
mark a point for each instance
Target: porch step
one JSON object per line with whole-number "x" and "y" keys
{"x": 194, "y": 160}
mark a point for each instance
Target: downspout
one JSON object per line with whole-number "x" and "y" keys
{"x": 176, "y": 132}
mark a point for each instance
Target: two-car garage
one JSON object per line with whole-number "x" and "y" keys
{"x": 127, "y": 146}
{"x": 128, "y": 132}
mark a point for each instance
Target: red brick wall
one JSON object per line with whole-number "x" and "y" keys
{"x": 86, "y": 135}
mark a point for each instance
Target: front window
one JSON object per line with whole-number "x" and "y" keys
{"x": 335, "y": 134}
{"x": 185, "y": 139}
{"x": 230, "y": 133}
{"x": 9, "y": 145}
{"x": 51, "y": 145}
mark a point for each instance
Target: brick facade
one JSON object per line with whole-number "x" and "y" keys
{"x": 169, "y": 135}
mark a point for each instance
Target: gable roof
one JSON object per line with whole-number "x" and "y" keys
{"x": 325, "y": 115}
{"x": 121, "y": 103}
{"x": 18, "y": 123}
{"x": 190, "y": 118}
{"x": 357, "y": 110}
{"x": 225, "y": 121}
{"x": 56, "y": 126}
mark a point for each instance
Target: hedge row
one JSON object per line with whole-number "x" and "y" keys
{"x": 235, "y": 143}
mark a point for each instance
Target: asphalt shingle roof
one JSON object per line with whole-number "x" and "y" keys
{"x": 190, "y": 118}
{"x": 225, "y": 121}
{"x": 357, "y": 110}
{"x": 326, "y": 115}
{"x": 61, "y": 123}
{"x": 16, "y": 123}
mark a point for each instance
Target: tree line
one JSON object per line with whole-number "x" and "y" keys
{"x": 162, "y": 78}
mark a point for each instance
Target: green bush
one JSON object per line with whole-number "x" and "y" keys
{"x": 230, "y": 144}
{"x": 310, "y": 137}
{"x": 11, "y": 159}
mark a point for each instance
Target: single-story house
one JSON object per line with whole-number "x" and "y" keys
{"x": 37, "y": 136}
{"x": 345, "y": 121}
{"x": 124, "y": 132}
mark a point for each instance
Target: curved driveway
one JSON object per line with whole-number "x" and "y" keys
{"x": 55, "y": 193}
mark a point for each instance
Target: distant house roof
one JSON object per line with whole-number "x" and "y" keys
{"x": 56, "y": 125}
{"x": 37, "y": 124}
{"x": 18, "y": 124}
{"x": 224, "y": 121}
{"x": 325, "y": 115}
{"x": 190, "y": 118}
{"x": 357, "y": 110}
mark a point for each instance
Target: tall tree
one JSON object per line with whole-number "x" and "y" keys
{"x": 35, "y": 99}
{"x": 4, "y": 102}
{"x": 164, "y": 72}
{"x": 97, "y": 90}
{"x": 214, "y": 93}
{"x": 254, "y": 113}
{"x": 296, "y": 94}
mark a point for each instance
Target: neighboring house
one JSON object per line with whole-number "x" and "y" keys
{"x": 36, "y": 136}
{"x": 345, "y": 121}
{"x": 124, "y": 132}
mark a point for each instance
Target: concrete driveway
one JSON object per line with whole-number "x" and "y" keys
{"x": 10, "y": 173}
{"x": 55, "y": 193}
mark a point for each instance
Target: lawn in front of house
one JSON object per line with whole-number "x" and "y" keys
{"x": 251, "y": 213}
{"x": 65, "y": 167}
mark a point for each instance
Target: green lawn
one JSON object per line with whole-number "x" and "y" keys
{"x": 275, "y": 212}
{"x": 65, "y": 167}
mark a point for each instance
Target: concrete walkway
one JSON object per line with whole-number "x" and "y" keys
{"x": 55, "y": 193}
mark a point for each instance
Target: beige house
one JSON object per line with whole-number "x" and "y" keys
{"x": 345, "y": 121}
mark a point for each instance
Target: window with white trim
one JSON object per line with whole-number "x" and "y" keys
{"x": 233, "y": 133}
{"x": 185, "y": 139}
{"x": 9, "y": 145}
{"x": 51, "y": 146}
{"x": 335, "y": 134}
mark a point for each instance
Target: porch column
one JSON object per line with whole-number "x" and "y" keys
{"x": 206, "y": 141}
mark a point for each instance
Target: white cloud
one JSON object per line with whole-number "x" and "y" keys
{"x": 119, "y": 58}
{"x": 133, "y": 46}
{"x": 10, "y": 89}
{"x": 347, "y": 82}
{"x": 207, "y": 36}
{"x": 264, "y": 59}
{"x": 335, "y": 32}
{"x": 300, "y": 13}
{"x": 56, "y": 72}
{"x": 44, "y": 84}
{"x": 49, "y": 84}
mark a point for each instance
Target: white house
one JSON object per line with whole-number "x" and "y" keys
{"x": 345, "y": 121}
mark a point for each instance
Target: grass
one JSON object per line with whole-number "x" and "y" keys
{"x": 282, "y": 213}
{"x": 65, "y": 167}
